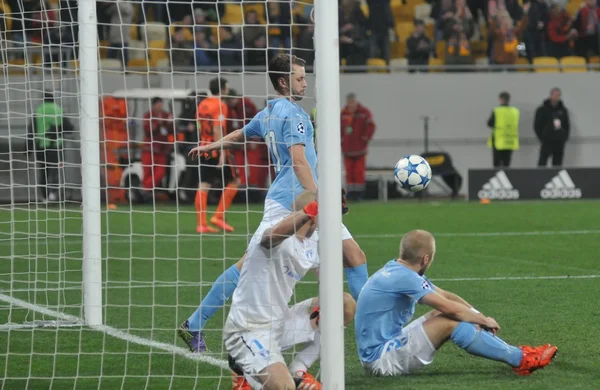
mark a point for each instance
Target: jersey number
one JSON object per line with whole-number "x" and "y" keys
{"x": 272, "y": 145}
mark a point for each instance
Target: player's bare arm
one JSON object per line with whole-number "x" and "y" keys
{"x": 458, "y": 311}
{"x": 453, "y": 297}
{"x": 223, "y": 143}
{"x": 289, "y": 226}
{"x": 302, "y": 168}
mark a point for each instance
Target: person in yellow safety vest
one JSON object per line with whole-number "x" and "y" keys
{"x": 504, "y": 139}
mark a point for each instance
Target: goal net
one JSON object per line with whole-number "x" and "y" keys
{"x": 153, "y": 56}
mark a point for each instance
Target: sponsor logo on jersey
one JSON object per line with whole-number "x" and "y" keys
{"x": 300, "y": 128}
{"x": 498, "y": 187}
{"x": 561, "y": 187}
{"x": 289, "y": 272}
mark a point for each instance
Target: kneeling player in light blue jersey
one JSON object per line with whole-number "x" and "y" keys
{"x": 288, "y": 132}
{"x": 389, "y": 345}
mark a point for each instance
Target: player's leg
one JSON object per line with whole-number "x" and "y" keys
{"x": 478, "y": 342}
{"x": 207, "y": 171}
{"x": 276, "y": 377}
{"x": 360, "y": 167}
{"x": 230, "y": 182}
{"x": 355, "y": 264}
{"x": 220, "y": 292}
{"x": 349, "y": 167}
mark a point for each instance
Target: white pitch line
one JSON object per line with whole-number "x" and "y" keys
{"x": 501, "y": 278}
{"x": 118, "y": 333}
{"x": 27, "y": 241}
{"x": 124, "y": 286}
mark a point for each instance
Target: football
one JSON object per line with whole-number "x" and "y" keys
{"x": 413, "y": 173}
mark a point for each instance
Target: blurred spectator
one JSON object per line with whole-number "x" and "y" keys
{"x": 353, "y": 36}
{"x": 158, "y": 125}
{"x": 182, "y": 50}
{"x": 69, "y": 29}
{"x": 458, "y": 51}
{"x": 461, "y": 21}
{"x": 187, "y": 125}
{"x": 305, "y": 46}
{"x": 535, "y": 34}
{"x": 156, "y": 8}
{"x": 46, "y": 142}
{"x": 586, "y": 27}
{"x": 251, "y": 159}
{"x": 357, "y": 129}
{"x": 255, "y": 40}
{"x": 213, "y": 9}
{"x": 442, "y": 12}
{"x": 48, "y": 25}
{"x": 230, "y": 48}
{"x": 418, "y": 46}
{"x": 186, "y": 24}
{"x": 200, "y": 17}
{"x": 203, "y": 48}
{"x": 559, "y": 34}
{"x": 505, "y": 36}
{"x": 511, "y": 6}
{"x": 279, "y": 20}
{"x": 121, "y": 15}
{"x": 381, "y": 24}
{"x": 552, "y": 127}
{"x": 504, "y": 139}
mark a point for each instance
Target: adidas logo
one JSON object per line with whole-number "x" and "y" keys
{"x": 561, "y": 187}
{"x": 498, "y": 187}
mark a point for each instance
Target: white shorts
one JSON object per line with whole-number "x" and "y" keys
{"x": 404, "y": 354}
{"x": 275, "y": 212}
{"x": 255, "y": 350}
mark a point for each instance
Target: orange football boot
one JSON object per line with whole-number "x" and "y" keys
{"x": 239, "y": 382}
{"x": 206, "y": 229}
{"x": 305, "y": 381}
{"x": 222, "y": 224}
{"x": 535, "y": 359}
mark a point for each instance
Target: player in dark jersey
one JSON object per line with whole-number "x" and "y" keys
{"x": 212, "y": 114}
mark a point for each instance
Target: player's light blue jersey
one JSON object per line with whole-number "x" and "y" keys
{"x": 282, "y": 124}
{"x": 385, "y": 304}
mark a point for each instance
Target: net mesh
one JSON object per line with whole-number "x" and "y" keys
{"x": 155, "y": 266}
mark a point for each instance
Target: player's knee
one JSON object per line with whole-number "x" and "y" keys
{"x": 349, "y": 308}
{"x": 353, "y": 255}
{"x": 279, "y": 382}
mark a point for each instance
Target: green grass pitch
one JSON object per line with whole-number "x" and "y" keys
{"x": 510, "y": 260}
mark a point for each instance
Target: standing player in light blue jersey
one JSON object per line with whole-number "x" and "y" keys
{"x": 389, "y": 345}
{"x": 288, "y": 132}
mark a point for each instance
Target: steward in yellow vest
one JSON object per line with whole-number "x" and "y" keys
{"x": 504, "y": 139}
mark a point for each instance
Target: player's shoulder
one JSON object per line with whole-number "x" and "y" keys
{"x": 282, "y": 105}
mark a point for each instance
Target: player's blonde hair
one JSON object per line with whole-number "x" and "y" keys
{"x": 416, "y": 244}
{"x": 304, "y": 198}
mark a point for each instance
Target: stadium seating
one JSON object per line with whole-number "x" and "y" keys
{"x": 110, "y": 64}
{"x": 522, "y": 61}
{"x": 594, "y": 61}
{"x": 436, "y": 62}
{"x": 573, "y": 7}
{"x": 547, "y": 64}
{"x": 377, "y": 62}
{"x": 399, "y": 64}
{"x": 573, "y": 64}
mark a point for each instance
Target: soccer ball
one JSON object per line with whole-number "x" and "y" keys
{"x": 413, "y": 173}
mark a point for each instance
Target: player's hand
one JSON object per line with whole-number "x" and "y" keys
{"x": 221, "y": 161}
{"x": 199, "y": 151}
{"x": 345, "y": 209}
{"x": 491, "y": 325}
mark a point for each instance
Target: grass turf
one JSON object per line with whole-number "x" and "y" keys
{"x": 157, "y": 269}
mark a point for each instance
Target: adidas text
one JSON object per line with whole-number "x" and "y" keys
{"x": 561, "y": 193}
{"x": 498, "y": 193}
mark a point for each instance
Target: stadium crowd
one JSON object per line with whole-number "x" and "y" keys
{"x": 189, "y": 35}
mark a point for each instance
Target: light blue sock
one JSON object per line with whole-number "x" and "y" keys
{"x": 357, "y": 277}
{"x": 219, "y": 293}
{"x": 484, "y": 344}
